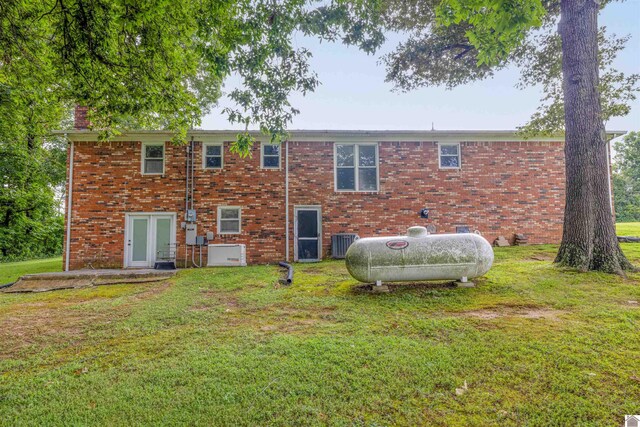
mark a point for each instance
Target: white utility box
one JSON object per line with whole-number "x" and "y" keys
{"x": 227, "y": 255}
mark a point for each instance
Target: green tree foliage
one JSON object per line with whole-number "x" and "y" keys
{"x": 452, "y": 43}
{"x": 626, "y": 178}
{"x": 144, "y": 64}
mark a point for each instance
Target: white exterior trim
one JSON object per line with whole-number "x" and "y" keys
{"x": 219, "y": 231}
{"x": 332, "y": 135}
{"x": 204, "y": 154}
{"x": 450, "y": 144}
{"x": 356, "y": 167}
{"x": 143, "y": 157}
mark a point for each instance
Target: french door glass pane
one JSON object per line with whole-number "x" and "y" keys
{"x": 139, "y": 240}
{"x": 163, "y": 237}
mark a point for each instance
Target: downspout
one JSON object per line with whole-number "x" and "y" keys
{"x": 69, "y": 203}
{"x": 286, "y": 199}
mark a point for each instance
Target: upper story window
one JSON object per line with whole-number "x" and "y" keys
{"x": 270, "y": 156}
{"x": 229, "y": 220}
{"x": 356, "y": 167}
{"x": 153, "y": 158}
{"x": 449, "y": 156}
{"x": 212, "y": 157}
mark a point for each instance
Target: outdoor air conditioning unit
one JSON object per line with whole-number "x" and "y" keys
{"x": 227, "y": 255}
{"x": 340, "y": 243}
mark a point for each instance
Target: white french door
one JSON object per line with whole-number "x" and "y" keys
{"x": 147, "y": 237}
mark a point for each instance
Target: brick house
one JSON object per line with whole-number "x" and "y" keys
{"x": 129, "y": 195}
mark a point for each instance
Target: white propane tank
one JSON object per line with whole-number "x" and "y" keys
{"x": 419, "y": 256}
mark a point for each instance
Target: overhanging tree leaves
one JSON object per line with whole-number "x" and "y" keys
{"x": 452, "y": 42}
{"x": 589, "y": 240}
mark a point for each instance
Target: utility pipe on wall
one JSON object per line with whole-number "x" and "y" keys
{"x": 69, "y": 203}
{"x": 286, "y": 199}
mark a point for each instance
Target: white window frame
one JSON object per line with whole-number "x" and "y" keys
{"x": 262, "y": 145}
{"x": 220, "y": 208}
{"x": 449, "y": 144}
{"x": 356, "y": 155}
{"x": 204, "y": 154}
{"x": 143, "y": 157}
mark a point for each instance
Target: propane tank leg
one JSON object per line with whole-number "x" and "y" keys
{"x": 464, "y": 279}
{"x": 378, "y": 282}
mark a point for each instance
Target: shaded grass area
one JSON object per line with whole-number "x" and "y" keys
{"x": 11, "y": 271}
{"x": 535, "y": 345}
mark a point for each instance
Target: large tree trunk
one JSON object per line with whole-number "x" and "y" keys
{"x": 589, "y": 239}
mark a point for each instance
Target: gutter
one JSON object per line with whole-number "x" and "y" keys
{"x": 69, "y": 204}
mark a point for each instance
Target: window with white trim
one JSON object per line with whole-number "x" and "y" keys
{"x": 153, "y": 158}
{"x": 212, "y": 155}
{"x": 229, "y": 218}
{"x": 449, "y": 156}
{"x": 270, "y": 158}
{"x": 356, "y": 167}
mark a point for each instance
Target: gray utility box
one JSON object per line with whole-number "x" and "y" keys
{"x": 340, "y": 243}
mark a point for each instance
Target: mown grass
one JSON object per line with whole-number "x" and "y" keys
{"x": 11, "y": 271}
{"x": 535, "y": 345}
{"x": 628, "y": 229}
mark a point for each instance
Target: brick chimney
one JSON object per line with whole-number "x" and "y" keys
{"x": 80, "y": 118}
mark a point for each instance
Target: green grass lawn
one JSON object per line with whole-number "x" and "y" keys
{"x": 628, "y": 229}
{"x": 11, "y": 271}
{"x": 534, "y": 344}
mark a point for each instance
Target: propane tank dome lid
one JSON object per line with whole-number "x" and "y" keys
{"x": 417, "y": 231}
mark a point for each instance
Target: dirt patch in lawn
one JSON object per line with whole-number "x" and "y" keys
{"x": 65, "y": 321}
{"x": 45, "y": 327}
{"x": 526, "y": 312}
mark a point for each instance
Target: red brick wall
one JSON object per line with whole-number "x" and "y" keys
{"x": 502, "y": 188}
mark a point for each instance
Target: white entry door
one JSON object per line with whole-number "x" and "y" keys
{"x": 148, "y": 237}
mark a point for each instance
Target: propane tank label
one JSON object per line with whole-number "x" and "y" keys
{"x": 397, "y": 244}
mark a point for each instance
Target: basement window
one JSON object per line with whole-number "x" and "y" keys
{"x": 153, "y": 158}
{"x": 356, "y": 167}
{"x": 270, "y": 156}
{"x": 449, "y": 156}
{"x": 212, "y": 156}
{"x": 229, "y": 220}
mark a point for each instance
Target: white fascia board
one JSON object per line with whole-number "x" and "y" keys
{"x": 332, "y": 136}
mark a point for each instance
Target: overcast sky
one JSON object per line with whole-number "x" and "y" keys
{"x": 354, "y": 95}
